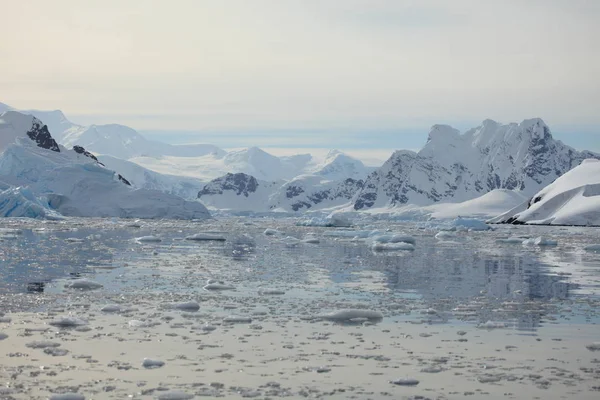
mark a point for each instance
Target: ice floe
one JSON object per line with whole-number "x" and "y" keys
{"x": 150, "y": 239}
{"x": 67, "y": 396}
{"x": 206, "y": 236}
{"x": 539, "y": 241}
{"x": 347, "y": 315}
{"x": 83, "y": 284}
{"x": 213, "y": 284}
{"x": 67, "y": 322}
{"x": 405, "y": 382}
{"x": 187, "y": 306}
{"x": 152, "y": 363}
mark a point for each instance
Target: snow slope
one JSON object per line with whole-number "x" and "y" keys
{"x": 71, "y": 182}
{"x": 140, "y": 177}
{"x": 454, "y": 167}
{"x": 573, "y": 199}
{"x": 251, "y": 161}
{"x": 338, "y": 166}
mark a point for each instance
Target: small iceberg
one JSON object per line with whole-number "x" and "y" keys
{"x": 271, "y": 232}
{"x": 206, "y": 236}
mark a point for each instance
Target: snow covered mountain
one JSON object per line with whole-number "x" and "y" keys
{"x": 338, "y": 166}
{"x": 112, "y": 139}
{"x": 41, "y": 178}
{"x": 238, "y": 192}
{"x": 313, "y": 192}
{"x": 573, "y": 199}
{"x": 454, "y": 167}
{"x": 243, "y": 192}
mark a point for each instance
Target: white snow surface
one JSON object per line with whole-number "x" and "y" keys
{"x": 573, "y": 199}
{"x": 71, "y": 184}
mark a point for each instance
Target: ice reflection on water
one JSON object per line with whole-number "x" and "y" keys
{"x": 474, "y": 279}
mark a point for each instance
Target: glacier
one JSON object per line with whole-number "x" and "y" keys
{"x": 42, "y": 179}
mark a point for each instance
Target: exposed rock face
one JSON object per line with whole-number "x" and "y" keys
{"x": 241, "y": 184}
{"x": 39, "y": 133}
{"x": 456, "y": 167}
{"x": 305, "y": 193}
{"x": 84, "y": 152}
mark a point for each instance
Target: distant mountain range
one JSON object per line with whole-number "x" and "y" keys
{"x": 452, "y": 167}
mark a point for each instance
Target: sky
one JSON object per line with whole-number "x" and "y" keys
{"x": 359, "y": 75}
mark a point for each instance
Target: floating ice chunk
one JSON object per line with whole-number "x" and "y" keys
{"x": 443, "y": 235}
{"x": 539, "y": 241}
{"x": 347, "y": 315}
{"x": 5, "y": 320}
{"x": 208, "y": 328}
{"x": 212, "y": 284}
{"x": 311, "y": 240}
{"x": 348, "y": 234}
{"x": 83, "y": 284}
{"x": 492, "y": 325}
{"x": 405, "y": 382}
{"x": 394, "y": 239}
{"x": 432, "y": 369}
{"x": 592, "y": 247}
{"x": 206, "y": 236}
{"x": 42, "y": 344}
{"x": 510, "y": 240}
{"x": 67, "y": 322}
{"x": 271, "y": 292}
{"x": 111, "y": 308}
{"x": 56, "y": 352}
{"x": 175, "y": 395}
{"x": 136, "y": 323}
{"x": 187, "y": 306}
{"x": 593, "y": 346}
{"x": 149, "y": 239}
{"x": 290, "y": 241}
{"x": 271, "y": 232}
{"x": 67, "y": 396}
{"x": 134, "y": 224}
{"x": 150, "y": 363}
{"x": 392, "y": 246}
{"x": 3, "y": 336}
{"x": 234, "y": 319}
{"x": 74, "y": 240}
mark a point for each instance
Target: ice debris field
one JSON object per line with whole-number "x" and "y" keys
{"x": 296, "y": 308}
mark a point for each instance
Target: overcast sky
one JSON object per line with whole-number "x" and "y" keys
{"x": 306, "y": 70}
